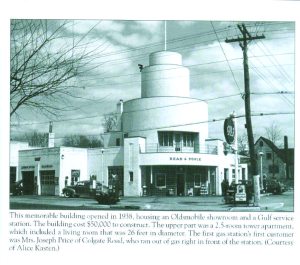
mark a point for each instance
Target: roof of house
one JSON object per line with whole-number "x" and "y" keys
{"x": 280, "y": 152}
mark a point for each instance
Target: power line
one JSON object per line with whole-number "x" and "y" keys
{"x": 195, "y": 100}
{"x": 167, "y": 69}
{"x": 101, "y": 116}
{"x": 271, "y": 81}
{"x": 191, "y": 36}
{"x": 277, "y": 65}
{"x": 198, "y": 122}
{"x": 226, "y": 58}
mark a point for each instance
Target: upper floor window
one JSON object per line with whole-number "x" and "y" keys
{"x": 165, "y": 138}
{"x": 269, "y": 156}
{"x": 188, "y": 139}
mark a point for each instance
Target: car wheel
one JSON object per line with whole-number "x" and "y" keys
{"x": 68, "y": 194}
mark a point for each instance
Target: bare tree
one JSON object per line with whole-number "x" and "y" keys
{"x": 110, "y": 121}
{"x": 83, "y": 141}
{"x": 45, "y": 61}
{"x": 34, "y": 139}
{"x": 274, "y": 134}
{"x": 243, "y": 144}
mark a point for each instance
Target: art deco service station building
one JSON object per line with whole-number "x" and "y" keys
{"x": 161, "y": 145}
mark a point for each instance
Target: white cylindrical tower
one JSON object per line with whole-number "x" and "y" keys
{"x": 165, "y": 76}
{"x": 165, "y": 104}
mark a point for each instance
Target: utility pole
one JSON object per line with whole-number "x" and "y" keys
{"x": 243, "y": 41}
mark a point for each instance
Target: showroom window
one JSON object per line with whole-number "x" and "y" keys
{"x": 75, "y": 176}
{"x": 197, "y": 180}
{"x": 161, "y": 180}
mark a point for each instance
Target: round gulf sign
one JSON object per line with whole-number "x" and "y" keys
{"x": 229, "y": 130}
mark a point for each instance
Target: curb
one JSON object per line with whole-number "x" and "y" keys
{"x": 270, "y": 206}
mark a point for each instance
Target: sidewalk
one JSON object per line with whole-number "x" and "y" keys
{"x": 202, "y": 203}
{"x": 148, "y": 203}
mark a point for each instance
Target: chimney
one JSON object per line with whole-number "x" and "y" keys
{"x": 50, "y": 135}
{"x": 287, "y": 159}
{"x": 120, "y": 107}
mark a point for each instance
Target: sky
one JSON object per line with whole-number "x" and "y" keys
{"x": 216, "y": 73}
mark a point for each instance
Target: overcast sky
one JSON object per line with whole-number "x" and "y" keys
{"x": 216, "y": 73}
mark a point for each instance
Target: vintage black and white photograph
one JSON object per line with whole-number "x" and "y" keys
{"x": 156, "y": 115}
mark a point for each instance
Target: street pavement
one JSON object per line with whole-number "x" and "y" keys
{"x": 268, "y": 202}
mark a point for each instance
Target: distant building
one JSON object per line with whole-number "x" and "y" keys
{"x": 159, "y": 146}
{"x": 274, "y": 162}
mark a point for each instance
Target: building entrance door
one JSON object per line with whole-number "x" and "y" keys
{"x": 48, "y": 182}
{"x": 180, "y": 184}
{"x": 28, "y": 182}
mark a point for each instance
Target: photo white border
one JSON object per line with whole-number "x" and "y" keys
{"x": 141, "y": 10}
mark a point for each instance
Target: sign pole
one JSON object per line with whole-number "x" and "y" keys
{"x": 230, "y": 133}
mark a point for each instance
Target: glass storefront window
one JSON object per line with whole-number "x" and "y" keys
{"x": 160, "y": 180}
{"x": 197, "y": 180}
{"x": 75, "y": 176}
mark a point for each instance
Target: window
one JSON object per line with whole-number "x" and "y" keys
{"x": 269, "y": 156}
{"x": 273, "y": 169}
{"x": 233, "y": 174}
{"x": 188, "y": 140}
{"x": 66, "y": 180}
{"x": 75, "y": 176}
{"x": 118, "y": 142}
{"x": 131, "y": 176}
{"x": 165, "y": 138}
{"x": 47, "y": 177}
{"x": 160, "y": 180}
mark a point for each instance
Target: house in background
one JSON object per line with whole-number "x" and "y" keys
{"x": 274, "y": 162}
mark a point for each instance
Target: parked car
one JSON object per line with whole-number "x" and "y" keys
{"x": 87, "y": 188}
{"x": 16, "y": 188}
{"x": 107, "y": 196}
{"x": 274, "y": 186}
{"x": 84, "y": 188}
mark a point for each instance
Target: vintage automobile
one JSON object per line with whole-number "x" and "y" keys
{"x": 86, "y": 188}
{"x": 274, "y": 186}
{"x": 107, "y": 195}
{"x": 16, "y": 188}
{"x": 92, "y": 189}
